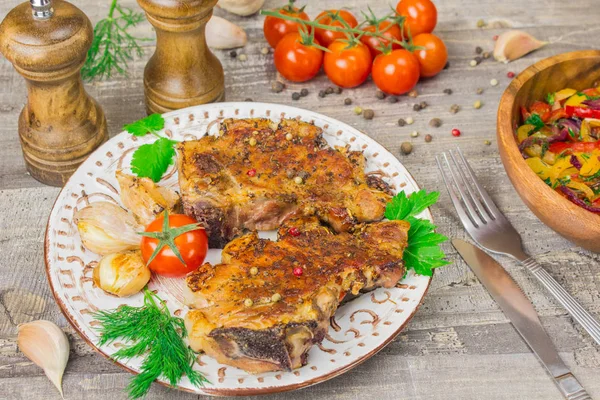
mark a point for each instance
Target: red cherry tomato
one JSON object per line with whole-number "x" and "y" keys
{"x": 390, "y": 31}
{"x": 347, "y": 67}
{"x": 296, "y": 61}
{"x": 434, "y": 57}
{"x": 192, "y": 246}
{"x": 542, "y": 109}
{"x": 326, "y": 37}
{"x": 421, "y": 16}
{"x": 397, "y": 72}
{"x": 276, "y": 28}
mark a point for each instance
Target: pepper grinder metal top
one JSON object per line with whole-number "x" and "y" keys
{"x": 47, "y": 43}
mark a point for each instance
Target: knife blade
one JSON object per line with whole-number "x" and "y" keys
{"x": 519, "y": 310}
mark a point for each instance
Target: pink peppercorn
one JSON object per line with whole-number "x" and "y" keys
{"x": 455, "y": 132}
{"x": 251, "y": 172}
{"x": 495, "y": 37}
{"x": 511, "y": 74}
{"x": 293, "y": 231}
{"x": 298, "y": 271}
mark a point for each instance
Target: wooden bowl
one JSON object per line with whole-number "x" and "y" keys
{"x": 577, "y": 70}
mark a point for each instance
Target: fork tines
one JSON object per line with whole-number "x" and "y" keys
{"x": 473, "y": 204}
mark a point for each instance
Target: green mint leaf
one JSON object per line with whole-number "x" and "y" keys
{"x": 152, "y": 160}
{"x": 536, "y": 121}
{"x": 401, "y": 207}
{"x": 150, "y": 124}
{"x": 550, "y": 99}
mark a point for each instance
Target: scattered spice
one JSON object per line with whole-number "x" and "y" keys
{"x": 486, "y": 55}
{"x": 233, "y": 54}
{"x": 277, "y": 87}
{"x": 252, "y": 141}
{"x": 401, "y": 122}
{"x": 448, "y": 91}
{"x": 477, "y": 104}
{"x": 392, "y": 99}
{"x": 480, "y": 23}
{"x": 264, "y": 51}
{"x": 455, "y": 132}
{"x": 510, "y": 74}
{"x": 413, "y": 93}
{"x": 368, "y": 114}
{"x": 295, "y": 96}
{"x": 293, "y": 231}
{"x": 410, "y": 120}
{"x": 494, "y": 82}
{"x": 358, "y": 110}
{"x": 406, "y": 148}
{"x": 414, "y": 134}
{"x": 276, "y": 297}
{"x": 454, "y": 108}
{"x": 304, "y": 92}
{"x": 435, "y": 122}
{"x": 495, "y": 37}
{"x": 322, "y": 93}
{"x": 298, "y": 180}
{"x": 473, "y": 63}
{"x": 478, "y": 50}
{"x": 298, "y": 271}
{"x": 329, "y": 90}
{"x": 251, "y": 172}
{"x": 479, "y": 90}
{"x": 380, "y": 95}
{"x": 347, "y": 101}
{"x": 423, "y": 105}
{"x": 289, "y": 137}
{"x": 253, "y": 271}
{"x": 242, "y": 57}
{"x": 428, "y": 138}
{"x": 487, "y": 142}
{"x": 447, "y": 65}
{"x": 248, "y": 302}
{"x": 338, "y": 90}
{"x": 417, "y": 107}
{"x": 478, "y": 60}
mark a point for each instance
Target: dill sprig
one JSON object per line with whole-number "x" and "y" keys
{"x": 112, "y": 46}
{"x": 155, "y": 333}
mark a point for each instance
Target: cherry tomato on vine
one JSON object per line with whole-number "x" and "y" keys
{"x": 276, "y": 28}
{"x": 434, "y": 57}
{"x": 296, "y": 59}
{"x": 326, "y": 37}
{"x": 421, "y": 16}
{"x": 396, "y": 72}
{"x": 192, "y": 246}
{"x": 346, "y": 66}
{"x": 390, "y": 30}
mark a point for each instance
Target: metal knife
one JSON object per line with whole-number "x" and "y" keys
{"x": 519, "y": 310}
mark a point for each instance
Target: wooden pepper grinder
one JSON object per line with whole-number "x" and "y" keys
{"x": 183, "y": 72}
{"x": 61, "y": 124}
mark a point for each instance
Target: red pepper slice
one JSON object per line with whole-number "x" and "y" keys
{"x": 524, "y": 113}
{"x": 542, "y": 109}
{"x": 557, "y": 114}
{"x": 577, "y": 147}
{"x": 582, "y": 112}
{"x": 592, "y": 92}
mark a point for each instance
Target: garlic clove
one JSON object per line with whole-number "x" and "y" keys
{"x": 47, "y": 346}
{"x": 122, "y": 274}
{"x": 222, "y": 34}
{"x": 145, "y": 199}
{"x": 106, "y": 228}
{"x": 515, "y": 44}
{"x": 241, "y": 7}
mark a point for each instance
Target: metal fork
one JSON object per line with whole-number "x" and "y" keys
{"x": 490, "y": 228}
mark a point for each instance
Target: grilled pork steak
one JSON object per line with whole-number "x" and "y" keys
{"x": 256, "y": 173}
{"x": 254, "y": 313}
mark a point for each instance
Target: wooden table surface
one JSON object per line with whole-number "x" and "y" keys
{"x": 459, "y": 344}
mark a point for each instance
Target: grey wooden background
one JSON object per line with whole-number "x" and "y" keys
{"x": 459, "y": 345}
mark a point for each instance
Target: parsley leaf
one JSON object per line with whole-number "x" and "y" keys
{"x": 150, "y": 124}
{"x": 152, "y": 160}
{"x": 401, "y": 207}
{"x": 423, "y": 252}
{"x": 550, "y": 99}
{"x": 536, "y": 121}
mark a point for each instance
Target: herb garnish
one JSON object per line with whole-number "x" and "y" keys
{"x": 550, "y": 98}
{"x": 153, "y": 331}
{"x": 423, "y": 253}
{"x": 153, "y": 159}
{"x": 536, "y": 121}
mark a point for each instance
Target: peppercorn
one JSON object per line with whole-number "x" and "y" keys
{"x": 322, "y": 93}
{"x": 298, "y": 271}
{"x": 480, "y": 23}
{"x": 298, "y": 180}
{"x": 479, "y": 91}
{"x": 428, "y": 138}
{"x": 417, "y": 107}
{"x": 478, "y": 50}
{"x": 435, "y": 122}
{"x": 406, "y": 148}
{"x": 293, "y": 231}
{"x": 423, "y": 105}
{"x": 510, "y": 74}
{"x": 233, "y": 54}
{"x": 251, "y": 172}
{"x": 368, "y": 114}
{"x": 401, "y": 122}
{"x": 448, "y": 91}
{"x": 295, "y": 96}
{"x": 392, "y": 99}
{"x": 477, "y": 104}
{"x": 486, "y": 55}
{"x": 242, "y": 57}
{"x": 277, "y": 87}
{"x": 264, "y": 51}
{"x": 413, "y": 93}
{"x": 487, "y": 142}
{"x": 347, "y": 101}
{"x": 252, "y": 141}
{"x": 304, "y": 92}
{"x": 495, "y": 37}
{"x": 253, "y": 271}
{"x": 473, "y": 63}
{"x": 380, "y": 95}
{"x": 455, "y": 132}
{"x": 289, "y": 137}
{"x": 329, "y": 90}
{"x": 454, "y": 108}
{"x": 337, "y": 90}
{"x": 248, "y": 302}
{"x": 358, "y": 110}
{"x": 276, "y": 297}
{"x": 410, "y": 120}
{"x": 414, "y": 134}
{"x": 478, "y": 60}
{"x": 494, "y": 82}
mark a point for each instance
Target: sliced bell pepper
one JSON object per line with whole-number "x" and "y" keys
{"x": 590, "y": 164}
{"x": 579, "y": 147}
{"x": 592, "y": 92}
{"x": 523, "y": 132}
{"x": 564, "y": 94}
{"x": 557, "y": 114}
{"x": 576, "y": 100}
{"x": 524, "y": 113}
{"x": 589, "y": 193}
{"x": 542, "y": 109}
{"x": 582, "y": 112}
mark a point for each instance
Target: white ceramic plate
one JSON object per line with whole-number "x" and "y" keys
{"x": 360, "y": 328}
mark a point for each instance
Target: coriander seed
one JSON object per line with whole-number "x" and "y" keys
{"x": 277, "y": 87}
{"x": 248, "y": 302}
{"x": 454, "y": 108}
{"x": 473, "y": 63}
{"x": 380, "y": 95}
{"x": 414, "y": 134}
{"x": 276, "y": 297}
{"x": 423, "y": 105}
{"x": 242, "y": 57}
{"x": 252, "y": 141}
{"x": 486, "y": 55}
{"x": 477, "y": 104}
{"x": 253, "y": 271}
{"x": 413, "y": 93}
{"x": 479, "y": 91}
{"x": 410, "y": 120}
{"x": 289, "y": 137}
{"x": 298, "y": 180}
{"x": 264, "y": 51}
{"x": 368, "y": 114}
{"x": 406, "y": 148}
{"x": 487, "y": 142}
{"x": 494, "y": 82}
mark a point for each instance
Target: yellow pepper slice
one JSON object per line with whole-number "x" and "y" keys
{"x": 539, "y": 167}
{"x": 576, "y": 100}
{"x": 590, "y": 164}
{"x": 589, "y": 193}
{"x": 523, "y": 132}
{"x": 564, "y": 94}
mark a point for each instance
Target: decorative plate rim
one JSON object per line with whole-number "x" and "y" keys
{"x": 225, "y": 391}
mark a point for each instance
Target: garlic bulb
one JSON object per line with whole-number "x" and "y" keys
{"x": 106, "y": 228}
{"x": 122, "y": 274}
{"x": 515, "y": 44}
{"x": 47, "y": 346}
{"x": 241, "y": 7}
{"x": 145, "y": 199}
{"x": 222, "y": 34}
